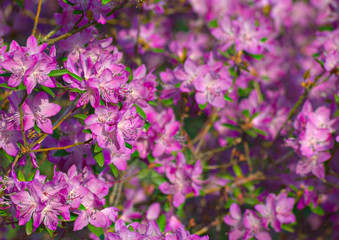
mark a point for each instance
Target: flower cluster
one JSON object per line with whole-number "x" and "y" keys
{"x": 314, "y": 130}
{"x": 80, "y": 193}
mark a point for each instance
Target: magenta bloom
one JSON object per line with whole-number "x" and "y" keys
{"x": 184, "y": 178}
{"x": 277, "y": 210}
{"x": 38, "y": 111}
{"x": 29, "y": 64}
{"x": 234, "y": 219}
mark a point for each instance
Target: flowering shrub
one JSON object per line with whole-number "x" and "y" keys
{"x": 174, "y": 120}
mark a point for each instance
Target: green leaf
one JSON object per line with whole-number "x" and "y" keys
{"x": 96, "y": 148}
{"x": 203, "y": 106}
{"x": 213, "y": 24}
{"x": 287, "y": 228}
{"x": 47, "y": 90}
{"x": 114, "y": 169}
{"x": 167, "y": 102}
{"x": 21, "y": 176}
{"x": 237, "y": 170}
{"x": 99, "y": 158}
{"x": 251, "y": 133}
{"x": 230, "y": 126}
{"x": 318, "y": 210}
{"x": 75, "y": 76}
{"x": 143, "y": 173}
{"x": 128, "y": 145}
{"x": 61, "y": 153}
{"x": 147, "y": 125}
{"x": 57, "y": 73}
{"x": 5, "y": 85}
{"x": 246, "y": 113}
{"x": 255, "y": 56}
{"x": 152, "y": 103}
{"x": 81, "y": 116}
{"x": 96, "y": 230}
{"x": 162, "y": 222}
{"x": 50, "y": 232}
{"x": 105, "y": 1}
{"x": 87, "y": 131}
{"x": 140, "y": 111}
{"x": 4, "y": 213}
{"x": 77, "y": 12}
{"x": 31, "y": 177}
{"x": 227, "y": 98}
{"x": 29, "y": 227}
{"x": 37, "y": 129}
{"x": 261, "y": 132}
{"x": 9, "y": 157}
{"x": 7, "y": 74}
{"x": 157, "y": 178}
{"x": 82, "y": 207}
{"x": 157, "y": 50}
{"x": 130, "y": 228}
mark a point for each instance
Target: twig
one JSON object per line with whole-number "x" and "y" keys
{"x": 62, "y": 148}
{"x": 36, "y": 18}
{"x": 205, "y": 129}
{"x": 22, "y": 120}
{"x": 74, "y": 31}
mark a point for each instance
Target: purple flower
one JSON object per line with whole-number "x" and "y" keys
{"x": 30, "y": 64}
{"x": 277, "y": 210}
{"x": 234, "y": 219}
{"x": 313, "y": 164}
{"x": 9, "y": 138}
{"x": 38, "y": 111}
{"x": 183, "y": 180}
{"x": 254, "y": 227}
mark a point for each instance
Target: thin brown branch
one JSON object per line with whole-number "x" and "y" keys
{"x": 36, "y": 18}
{"x": 61, "y": 148}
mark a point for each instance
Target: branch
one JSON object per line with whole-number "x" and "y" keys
{"x": 62, "y": 148}
{"x": 36, "y": 18}
{"x": 22, "y": 121}
{"x": 74, "y": 31}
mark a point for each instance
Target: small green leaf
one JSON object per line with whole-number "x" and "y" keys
{"x": 318, "y": 210}
{"x": 287, "y": 228}
{"x": 81, "y": 116}
{"x": 61, "y": 153}
{"x": 21, "y": 176}
{"x": 97, "y": 149}
{"x": 162, "y": 222}
{"x": 237, "y": 170}
{"x": 57, "y": 73}
{"x": 147, "y": 125}
{"x": 50, "y": 232}
{"x": 213, "y": 24}
{"x": 4, "y": 213}
{"x": 230, "y": 126}
{"x": 131, "y": 228}
{"x": 152, "y": 103}
{"x": 29, "y": 227}
{"x": 157, "y": 50}
{"x": 82, "y": 207}
{"x": 9, "y": 157}
{"x": 96, "y": 230}
{"x": 128, "y": 145}
{"x": 105, "y": 1}
{"x": 77, "y": 12}
{"x": 37, "y": 129}
{"x": 227, "y": 98}
{"x": 7, "y": 74}
{"x": 114, "y": 169}
{"x": 140, "y": 111}
{"x": 99, "y": 158}
{"x": 251, "y": 133}
{"x": 87, "y": 131}
{"x": 261, "y": 132}
{"x": 203, "y": 106}
{"x": 48, "y": 90}
{"x": 167, "y": 102}
{"x": 75, "y": 76}
{"x": 143, "y": 173}
{"x": 31, "y": 177}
